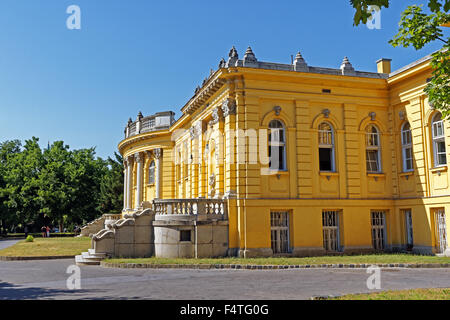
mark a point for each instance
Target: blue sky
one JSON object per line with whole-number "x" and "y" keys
{"x": 81, "y": 86}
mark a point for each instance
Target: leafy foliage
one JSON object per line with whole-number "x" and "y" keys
{"x": 57, "y": 184}
{"x": 418, "y": 28}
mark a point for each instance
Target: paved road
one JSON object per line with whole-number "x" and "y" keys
{"x": 7, "y": 243}
{"x": 47, "y": 280}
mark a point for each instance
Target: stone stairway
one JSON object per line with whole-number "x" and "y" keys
{"x": 131, "y": 236}
{"x": 90, "y": 258}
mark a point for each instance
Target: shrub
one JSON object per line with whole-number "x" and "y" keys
{"x": 29, "y": 239}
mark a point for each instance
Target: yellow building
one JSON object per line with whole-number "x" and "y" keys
{"x": 299, "y": 160}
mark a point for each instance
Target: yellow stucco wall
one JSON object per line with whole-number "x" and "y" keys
{"x": 302, "y": 190}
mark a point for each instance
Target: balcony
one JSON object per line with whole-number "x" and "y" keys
{"x": 158, "y": 121}
{"x": 199, "y": 209}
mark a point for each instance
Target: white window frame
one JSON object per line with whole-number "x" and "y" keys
{"x": 407, "y": 146}
{"x": 373, "y": 143}
{"x": 151, "y": 172}
{"x": 438, "y": 135}
{"x": 280, "y": 232}
{"x": 441, "y": 230}
{"x": 277, "y": 138}
{"x": 331, "y": 230}
{"x": 326, "y": 140}
{"x": 378, "y": 229}
{"x": 408, "y": 228}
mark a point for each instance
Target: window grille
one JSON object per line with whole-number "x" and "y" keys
{"x": 441, "y": 231}
{"x": 378, "y": 230}
{"x": 279, "y": 225}
{"x": 330, "y": 223}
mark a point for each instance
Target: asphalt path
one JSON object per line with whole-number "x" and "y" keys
{"x": 48, "y": 280}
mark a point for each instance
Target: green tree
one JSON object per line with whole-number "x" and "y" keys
{"x": 21, "y": 180}
{"x": 418, "y": 28}
{"x": 7, "y": 216}
{"x": 111, "y": 186}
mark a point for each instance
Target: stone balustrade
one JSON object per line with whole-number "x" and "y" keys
{"x": 158, "y": 121}
{"x": 212, "y": 208}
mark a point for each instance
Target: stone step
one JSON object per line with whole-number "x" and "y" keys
{"x": 87, "y": 256}
{"x": 94, "y": 254}
{"x": 80, "y": 261}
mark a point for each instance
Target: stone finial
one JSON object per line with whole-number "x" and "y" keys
{"x": 300, "y": 64}
{"x": 233, "y": 57}
{"x": 139, "y": 116}
{"x": 197, "y": 89}
{"x": 222, "y": 63}
{"x": 250, "y": 58}
{"x": 347, "y": 68}
{"x": 130, "y": 122}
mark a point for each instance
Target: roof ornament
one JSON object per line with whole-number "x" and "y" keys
{"x": 233, "y": 57}
{"x": 130, "y": 121}
{"x": 300, "y": 64}
{"x": 347, "y": 68}
{"x": 222, "y": 63}
{"x": 139, "y": 116}
{"x": 250, "y": 58}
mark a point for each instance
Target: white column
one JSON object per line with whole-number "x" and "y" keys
{"x": 125, "y": 184}
{"x": 139, "y": 159}
{"x": 129, "y": 182}
{"x": 157, "y": 153}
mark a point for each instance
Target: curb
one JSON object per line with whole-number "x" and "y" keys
{"x": 269, "y": 267}
{"x": 3, "y": 258}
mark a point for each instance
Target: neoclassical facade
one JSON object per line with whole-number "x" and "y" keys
{"x": 292, "y": 159}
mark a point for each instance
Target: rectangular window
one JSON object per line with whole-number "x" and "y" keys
{"x": 407, "y": 159}
{"x": 326, "y": 159}
{"x": 372, "y": 161}
{"x": 279, "y": 227}
{"x": 185, "y": 235}
{"x": 330, "y": 223}
{"x": 438, "y": 129}
{"x": 378, "y": 230}
{"x": 440, "y": 156}
{"x": 441, "y": 230}
{"x": 409, "y": 229}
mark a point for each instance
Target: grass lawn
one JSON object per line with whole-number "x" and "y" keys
{"x": 416, "y": 294}
{"x": 355, "y": 259}
{"x": 48, "y": 247}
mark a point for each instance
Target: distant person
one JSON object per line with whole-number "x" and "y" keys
{"x": 44, "y": 232}
{"x": 48, "y": 231}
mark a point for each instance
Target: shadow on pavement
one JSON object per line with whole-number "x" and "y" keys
{"x": 10, "y": 291}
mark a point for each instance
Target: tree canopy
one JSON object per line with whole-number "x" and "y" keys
{"x": 417, "y": 28}
{"x": 57, "y": 184}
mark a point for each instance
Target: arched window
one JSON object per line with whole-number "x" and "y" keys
{"x": 151, "y": 173}
{"x": 277, "y": 145}
{"x": 440, "y": 158}
{"x": 373, "y": 150}
{"x": 326, "y": 147}
{"x": 407, "y": 148}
